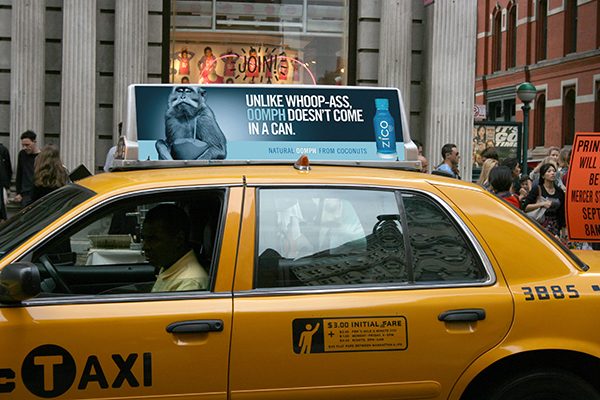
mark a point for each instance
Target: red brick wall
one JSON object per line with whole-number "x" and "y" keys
{"x": 554, "y": 72}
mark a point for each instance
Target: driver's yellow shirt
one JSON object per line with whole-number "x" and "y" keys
{"x": 185, "y": 274}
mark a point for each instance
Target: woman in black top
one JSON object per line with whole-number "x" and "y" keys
{"x": 545, "y": 193}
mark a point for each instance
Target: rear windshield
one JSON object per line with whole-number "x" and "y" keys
{"x": 40, "y": 214}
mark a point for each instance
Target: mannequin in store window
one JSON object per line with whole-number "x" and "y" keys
{"x": 207, "y": 66}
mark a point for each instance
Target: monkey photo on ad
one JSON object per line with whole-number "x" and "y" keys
{"x": 192, "y": 131}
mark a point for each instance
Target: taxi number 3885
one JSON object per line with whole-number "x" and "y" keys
{"x": 551, "y": 292}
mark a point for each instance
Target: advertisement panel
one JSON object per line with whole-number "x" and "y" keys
{"x": 242, "y": 122}
{"x": 503, "y": 137}
{"x": 583, "y": 189}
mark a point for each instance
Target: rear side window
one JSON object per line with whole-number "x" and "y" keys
{"x": 347, "y": 237}
{"x": 439, "y": 250}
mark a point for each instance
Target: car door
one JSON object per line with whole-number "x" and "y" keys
{"x": 111, "y": 338}
{"x": 359, "y": 293}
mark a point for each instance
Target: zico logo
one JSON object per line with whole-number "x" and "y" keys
{"x": 49, "y": 371}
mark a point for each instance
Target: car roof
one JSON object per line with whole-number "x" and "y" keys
{"x": 260, "y": 174}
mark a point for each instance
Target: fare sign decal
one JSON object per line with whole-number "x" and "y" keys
{"x": 365, "y": 334}
{"x": 333, "y": 335}
{"x": 583, "y": 189}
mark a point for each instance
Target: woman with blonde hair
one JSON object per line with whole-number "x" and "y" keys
{"x": 486, "y": 168}
{"x": 49, "y": 172}
{"x": 564, "y": 158}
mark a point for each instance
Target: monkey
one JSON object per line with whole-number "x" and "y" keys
{"x": 191, "y": 129}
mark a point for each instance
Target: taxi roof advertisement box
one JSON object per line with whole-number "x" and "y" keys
{"x": 265, "y": 122}
{"x": 583, "y": 189}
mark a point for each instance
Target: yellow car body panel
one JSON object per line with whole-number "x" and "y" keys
{"x": 538, "y": 299}
{"x": 554, "y": 300}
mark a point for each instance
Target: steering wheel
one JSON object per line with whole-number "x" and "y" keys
{"x": 54, "y": 274}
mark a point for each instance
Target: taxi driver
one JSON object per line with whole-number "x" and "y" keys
{"x": 165, "y": 233}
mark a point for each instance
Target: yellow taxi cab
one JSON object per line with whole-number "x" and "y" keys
{"x": 325, "y": 281}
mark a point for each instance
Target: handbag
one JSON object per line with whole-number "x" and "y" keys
{"x": 539, "y": 214}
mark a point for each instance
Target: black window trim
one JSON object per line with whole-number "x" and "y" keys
{"x": 140, "y": 297}
{"x": 468, "y": 235}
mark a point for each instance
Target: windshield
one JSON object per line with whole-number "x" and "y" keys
{"x": 40, "y": 214}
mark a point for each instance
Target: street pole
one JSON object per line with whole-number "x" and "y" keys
{"x": 525, "y": 107}
{"x": 526, "y": 93}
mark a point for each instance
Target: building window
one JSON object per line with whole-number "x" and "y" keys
{"x": 539, "y": 129}
{"x": 495, "y": 111}
{"x": 568, "y": 117}
{"x": 502, "y": 110}
{"x": 597, "y": 25}
{"x": 597, "y": 110}
{"x": 511, "y": 37}
{"x": 287, "y": 42}
{"x": 497, "y": 41}
{"x": 510, "y": 110}
{"x": 570, "y": 26}
{"x": 542, "y": 30}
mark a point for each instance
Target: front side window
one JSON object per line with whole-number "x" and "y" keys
{"x": 40, "y": 214}
{"x": 347, "y": 237}
{"x": 161, "y": 242}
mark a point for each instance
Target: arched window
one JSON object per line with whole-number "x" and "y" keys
{"x": 511, "y": 37}
{"x": 570, "y": 26}
{"x": 539, "y": 128}
{"x": 542, "y": 30}
{"x": 497, "y": 41}
{"x": 568, "y": 116}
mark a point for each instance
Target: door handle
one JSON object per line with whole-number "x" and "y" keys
{"x": 196, "y": 326}
{"x": 464, "y": 315}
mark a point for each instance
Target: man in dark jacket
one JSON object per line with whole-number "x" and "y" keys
{"x": 5, "y": 177}
{"x": 25, "y": 162}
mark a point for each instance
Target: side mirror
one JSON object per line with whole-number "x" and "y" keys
{"x": 19, "y": 281}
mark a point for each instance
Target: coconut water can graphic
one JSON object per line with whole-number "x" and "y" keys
{"x": 385, "y": 134}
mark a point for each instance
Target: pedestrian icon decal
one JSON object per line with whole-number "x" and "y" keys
{"x": 307, "y": 335}
{"x": 306, "y": 338}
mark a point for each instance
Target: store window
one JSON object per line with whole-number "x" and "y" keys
{"x": 264, "y": 41}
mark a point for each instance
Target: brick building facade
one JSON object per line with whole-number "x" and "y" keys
{"x": 554, "y": 44}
